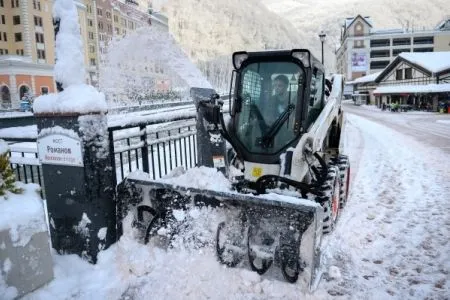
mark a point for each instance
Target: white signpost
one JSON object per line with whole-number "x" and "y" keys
{"x": 60, "y": 149}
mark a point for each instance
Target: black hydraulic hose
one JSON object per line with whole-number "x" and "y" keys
{"x": 265, "y": 181}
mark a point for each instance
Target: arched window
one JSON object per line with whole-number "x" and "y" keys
{"x": 23, "y": 90}
{"x": 5, "y": 97}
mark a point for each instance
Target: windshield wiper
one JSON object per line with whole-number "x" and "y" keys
{"x": 267, "y": 140}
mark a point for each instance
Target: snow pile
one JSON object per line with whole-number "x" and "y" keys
{"x": 22, "y": 214}
{"x": 79, "y": 98}
{"x": 4, "y": 148}
{"x": 198, "y": 177}
{"x": 69, "y": 67}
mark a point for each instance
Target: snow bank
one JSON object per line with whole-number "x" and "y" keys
{"x": 3, "y": 147}
{"x": 22, "y": 214}
{"x": 79, "y": 98}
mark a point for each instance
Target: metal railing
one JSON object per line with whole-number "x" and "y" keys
{"x": 154, "y": 148}
{"x": 24, "y": 161}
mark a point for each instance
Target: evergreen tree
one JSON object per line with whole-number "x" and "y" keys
{"x": 7, "y": 177}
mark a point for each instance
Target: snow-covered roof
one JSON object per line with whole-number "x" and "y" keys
{"x": 412, "y": 89}
{"x": 365, "y": 79}
{"x": 435, "y": 62}
{"x": 349, "y": 21}
{"x": 444, "y": 24}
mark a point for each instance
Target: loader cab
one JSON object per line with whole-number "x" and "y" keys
{"x": 267, "y": 119}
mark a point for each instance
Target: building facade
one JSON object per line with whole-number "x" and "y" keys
{"x": 26, "y": 50}
{"x": 27, "y": 41}
{"x": 365, "y": 50}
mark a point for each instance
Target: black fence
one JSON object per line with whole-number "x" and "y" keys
{"x": 155, "y": 146}
{"x": 25, "y": 162}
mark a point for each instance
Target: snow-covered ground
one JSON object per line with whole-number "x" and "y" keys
{"x": 391, "y": 242}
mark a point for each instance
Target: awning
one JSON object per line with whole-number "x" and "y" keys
{"x": 413, "y": 89}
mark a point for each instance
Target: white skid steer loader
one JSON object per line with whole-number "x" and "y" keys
{"x": 284, "y": 128}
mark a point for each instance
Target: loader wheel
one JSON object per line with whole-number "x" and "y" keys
{"x": 262, "y": 241}
{"x": 331, "y": 202}
{"x": 343, "y": 163}
{"x": 228, "y": 249}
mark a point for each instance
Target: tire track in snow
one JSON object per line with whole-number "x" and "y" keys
{"x": 391, "y": 241}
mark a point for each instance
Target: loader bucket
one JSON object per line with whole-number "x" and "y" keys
{"x": 267, "y": 233}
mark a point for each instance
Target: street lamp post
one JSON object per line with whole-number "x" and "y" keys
{"x": 322, "y": 37}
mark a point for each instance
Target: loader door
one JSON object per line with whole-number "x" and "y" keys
{"x": 316, "y": 97}
{"x": 265, "y": 122}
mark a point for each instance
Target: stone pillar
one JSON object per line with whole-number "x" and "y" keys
{"x": 79, "y": 184}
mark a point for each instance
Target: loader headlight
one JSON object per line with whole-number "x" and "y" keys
{"x": 302, "y": 55}
{"x": 239, "y": 58}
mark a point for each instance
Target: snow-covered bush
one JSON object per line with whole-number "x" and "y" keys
{"x": 7, "y": 177}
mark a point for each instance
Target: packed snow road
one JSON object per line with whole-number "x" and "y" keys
{"x": 391, "y": 241}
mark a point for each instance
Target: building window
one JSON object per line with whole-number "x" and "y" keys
{"x": 91, "y": 35}
{"x": 116, "y": 19}
{"x": 37, "y": 21}
{"x": 1, "y": 3}
{"x": 41, "y": 54}
{"x": 93, "y": 62}
{"x": 14, "y": 3}
{"x": 117, "y": 29}
{"x": 380, "y": 43}
{"x": 16, "y": 20}
{"x": 108, "y": 15}
{"x": 23, "y": 90}
{"x": 109, "y": 26}
{"x": 39, "y": 37}
{"x": 99, "y": 11}
{"x": 3, "y": 19}
{"x": 91, "y": 49}
{"x": 396, "y": 52}
{"x": 100, "y": 25}
{"x": 423, "y": 40}
{"x": 423, "y": 49}
{"x": 44, "y": 90}
{"x": 379, "y": 64}
{"x": 408, "y": 73}
{"x": 37, "y": 4}
{"x": 379, "y": 53}
{"x": 401, "y": 42}
{"x": 19, "y": 52}
{"x": 399, "y": 75}
{"x": 5, "y": 37}
{"x": 90, "y": 23}
{"x": 89, "y": 9}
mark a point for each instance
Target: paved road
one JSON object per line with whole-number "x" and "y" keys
{"x": 430, "y": 128}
